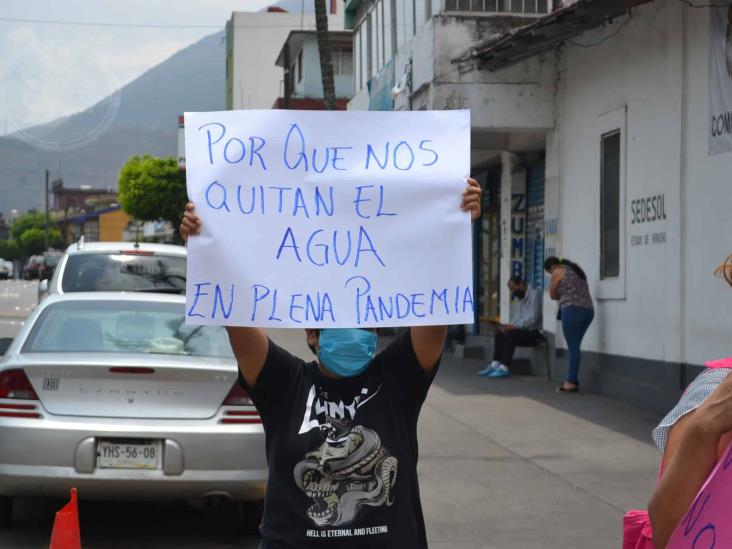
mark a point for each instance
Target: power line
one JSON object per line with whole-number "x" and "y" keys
{"x": 630, "y": 16}
{"x": 133, "y": 25}
{"x": 106, "y": 24}
{"x": 152, "y": 25}
{"x": 693, "y": 5}
{"x": 606, "y": 38}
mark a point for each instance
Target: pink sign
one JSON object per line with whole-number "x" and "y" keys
{"x": 708, "y": 522}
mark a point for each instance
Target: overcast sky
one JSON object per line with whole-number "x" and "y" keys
{"x": 54, "y": 70}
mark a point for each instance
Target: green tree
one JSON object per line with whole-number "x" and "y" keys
{"x": 32, "y": 241}
{"x": 153, "y": 188}
{"x": 30, "y": 220}
{"x": 9, "y": 250}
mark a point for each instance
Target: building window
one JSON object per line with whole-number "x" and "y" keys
{"x": 382, "y": 23}
{"x": 394, "y": 37}
{"x": 524, "y": 7}
{"x": 378, "y": 30}
{"x": 610, "y": 144}
{"x": 369, "y": 47}
{"x": 360, "y": 60}
{"x": 409, "y": 19}
{"x": 427, "y": 10}
{"x": 299, "y": 66}
{"x": 610, "y": 205}
{"x": 358, "y": 57}
{"x": 393, "y": 27}
{"x": 91, "y": 231}
{"x": 342, "y": 63}
{"x": 414, "y": 17}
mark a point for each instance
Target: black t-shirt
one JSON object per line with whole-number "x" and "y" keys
{"x": 342, "y": 454}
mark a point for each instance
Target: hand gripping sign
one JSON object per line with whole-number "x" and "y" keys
{"x": 329, "y": 219}
{"x": 707, "y": 523}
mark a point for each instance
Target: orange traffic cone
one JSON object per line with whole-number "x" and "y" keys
{"x": 66, "y": 533}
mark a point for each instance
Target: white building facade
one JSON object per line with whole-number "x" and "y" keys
{"x": 659, "y": 308}
{"x": 599, "y": 136}
{"x": 253, "y": 42}
{"x": 303, "y": 82}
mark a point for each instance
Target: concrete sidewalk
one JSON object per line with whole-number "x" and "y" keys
{"x": 509, "y": 463}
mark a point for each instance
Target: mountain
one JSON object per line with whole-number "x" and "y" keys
{"x": 145, "y": 121}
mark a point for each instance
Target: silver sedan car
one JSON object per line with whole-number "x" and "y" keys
{"x": 114, "y": 394}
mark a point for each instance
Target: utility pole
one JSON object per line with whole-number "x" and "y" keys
{"x": 45, "y": 241}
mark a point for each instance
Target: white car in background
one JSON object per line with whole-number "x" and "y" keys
{"x": 112, "y": 393}
{"x": 6, "y": 269}
{"x": 118, "y": 266}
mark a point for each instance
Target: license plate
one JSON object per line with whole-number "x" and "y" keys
{"x": 129, "y": 454}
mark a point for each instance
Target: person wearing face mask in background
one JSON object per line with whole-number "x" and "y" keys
{"x": 522, "y": 332}
{"x": 341, "y": 431}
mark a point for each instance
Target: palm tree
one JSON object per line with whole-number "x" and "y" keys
{"x": 326, "y": 57}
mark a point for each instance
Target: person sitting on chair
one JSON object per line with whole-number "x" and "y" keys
{"x": 522, "y": 332}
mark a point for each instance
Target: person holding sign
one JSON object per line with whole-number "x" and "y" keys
{"x": 692, "y": 438}
{"x": 341, "y": 431}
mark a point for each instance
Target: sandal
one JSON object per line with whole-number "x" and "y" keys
{"x": 563, "y": 389}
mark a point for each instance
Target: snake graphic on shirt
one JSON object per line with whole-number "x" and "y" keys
{"x": 351, "y": 471}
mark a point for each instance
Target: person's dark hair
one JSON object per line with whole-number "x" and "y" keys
{"x": 554, "y": 261}
{"x": 312, "y": 347}
{"x": 515, "y": 279}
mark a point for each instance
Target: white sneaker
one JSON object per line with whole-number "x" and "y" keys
{"x": 489, "y": 369}
{"x": 501, "y": 371}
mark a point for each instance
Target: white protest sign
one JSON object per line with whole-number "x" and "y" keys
{"x": 329, "y": 219}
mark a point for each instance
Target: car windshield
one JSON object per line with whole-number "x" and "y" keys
{"x": 132, "y": 272}
{"x": 124, "y": 327}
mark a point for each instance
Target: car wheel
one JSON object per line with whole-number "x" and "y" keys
{"x": 6, "y": 511}
{"x": 251, "y": 516}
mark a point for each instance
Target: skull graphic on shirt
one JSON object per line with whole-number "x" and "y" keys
{"x": 350, "y": 472}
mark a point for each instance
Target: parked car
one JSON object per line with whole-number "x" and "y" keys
{"x": 48, "y": 266}
{"x": 31, "y": 270}
{"x": 114, "y": 394}
{"x": 6, "y": 269}
{"x": 118, "y": 266}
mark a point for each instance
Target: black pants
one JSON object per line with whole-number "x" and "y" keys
{"x": 506, "y": 342}
{"x": 456, "y": 334}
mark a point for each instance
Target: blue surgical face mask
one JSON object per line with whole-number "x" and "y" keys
{"x": 346, "y": 352}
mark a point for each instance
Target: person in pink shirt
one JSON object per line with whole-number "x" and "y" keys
{"x": 692, "y": 438}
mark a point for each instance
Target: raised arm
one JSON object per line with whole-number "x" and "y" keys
{"x": 250, "y": 345}
{"x": 694, "y": 445}
{"x": 429, "y": 341}
{"x": 557, "y": 276}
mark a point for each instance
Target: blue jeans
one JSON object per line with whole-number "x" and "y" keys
{"x": 575, "y": 321}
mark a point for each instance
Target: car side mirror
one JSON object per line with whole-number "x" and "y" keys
{"x": 43, "y": 286}
{"x": 5, "y": 344}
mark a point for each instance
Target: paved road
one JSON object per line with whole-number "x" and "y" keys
{"x": 504, "y": 464}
